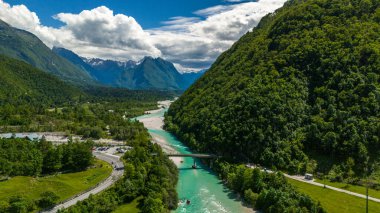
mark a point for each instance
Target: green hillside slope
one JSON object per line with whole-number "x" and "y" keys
{"x": 21, "y": 81}
{"x": 305, "y": 81}
{"x": 25, "y": 46}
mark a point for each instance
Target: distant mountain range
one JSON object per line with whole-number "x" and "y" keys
{"x": 149, "y": 73}
{"x": 25, "y": 46}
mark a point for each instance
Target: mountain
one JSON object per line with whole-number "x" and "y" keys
{"x": 74, "y": 59}
{"x": 25, "y": 46}
{"x": 304, "y": 85}
{"x": 147, "y": 74}
{"x": 21, "y": 81}
{"x": 190, "y": 77}
{"x": 152, "y": 73}
{"x": 107, "y": 71}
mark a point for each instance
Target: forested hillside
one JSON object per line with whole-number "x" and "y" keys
{"x": 21, "y": 81}
{"x": 32, "y": 100}
{"x": 304, "y": 84}
{"x": 25, "y": 46}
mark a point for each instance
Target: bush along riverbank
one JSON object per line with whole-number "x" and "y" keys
{"x": 267, "y": 192}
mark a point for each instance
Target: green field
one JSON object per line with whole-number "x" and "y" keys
{"x": 335, "y": 202}
{"x": 64, "y": 185}
{"x": 130, "y": 207}
{"x": 353, "y": 188}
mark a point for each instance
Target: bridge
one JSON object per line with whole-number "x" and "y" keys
{"x": 191, "y": 155}
{"x": 194, "y": 166}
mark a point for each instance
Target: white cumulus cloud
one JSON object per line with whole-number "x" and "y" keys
{"x": 104, "y": 29}
{"x": 91, "y": 33}
{"x": 192, "y": 43}
{"x": 195, "y": 42}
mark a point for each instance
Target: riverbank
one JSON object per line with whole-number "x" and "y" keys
{"x": 154, "y": 122}
{"x": 157, "y": 123}
{"x": 166, "y": 147}
{"x": 201, "y": 186}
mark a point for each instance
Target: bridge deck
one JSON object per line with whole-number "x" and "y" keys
{"x": 191, "y": 155}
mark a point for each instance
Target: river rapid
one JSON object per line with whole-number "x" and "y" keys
{"x": 201, "y": 186}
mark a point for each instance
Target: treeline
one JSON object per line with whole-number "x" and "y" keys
{"x": 303, "y": 85}
{"x": 22, "y": 82}
{"x": 107, "y": 93}
{"x": 102, "y": 119}
{"x": 20, "y": 204}
{"x": 148, "y": 173}
{"x": 21, "y": 157}
{"x": 26, "y": 94}
{"x": 91, "y": 120}
{"x": 267, "y": 192}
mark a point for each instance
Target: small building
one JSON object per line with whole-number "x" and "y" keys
{"x": 309, "y": 176}
{"x": 28, "y": 136}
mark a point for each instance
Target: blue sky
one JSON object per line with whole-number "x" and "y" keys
{"x": 149, "y": 13}
{"x": 189, "y": 33}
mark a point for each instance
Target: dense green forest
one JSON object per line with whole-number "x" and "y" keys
{"x": 110, "y": 93}
{"x": 268, "y": 192}
{"x": 148, "y": 173}
{"x": 22, "y": 82}
{"x": 21, "y": 157}
{"x": 301, "y": 92}
{"x": 32, "y": 100}
{"x": 102, "y": 119}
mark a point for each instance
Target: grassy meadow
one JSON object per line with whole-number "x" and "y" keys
{"x": 64, "y": 185}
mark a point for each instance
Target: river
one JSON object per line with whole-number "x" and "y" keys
{"x": 201, "y": 186}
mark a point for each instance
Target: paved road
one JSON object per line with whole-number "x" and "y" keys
{"x": 302, "y": 179}
{"x": 115, "y": 175}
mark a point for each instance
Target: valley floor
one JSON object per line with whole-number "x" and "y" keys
{"x": 156, "y": 123}
{"x": 100, "y": 186}
{"x": 350, "y": 200}
{"x": 130, "y": 207}
{"x": 334, "y": 201}
{"x": 318, "y": 184}
{"x": 64, "y": 185}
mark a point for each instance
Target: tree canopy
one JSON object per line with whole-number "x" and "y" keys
{"x": 148, "y": 173}
{"x": 303, "y": 83}
{"x": 32, "y": 158}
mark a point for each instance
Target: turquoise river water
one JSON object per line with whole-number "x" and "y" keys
{"x": 201, "y": 186}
